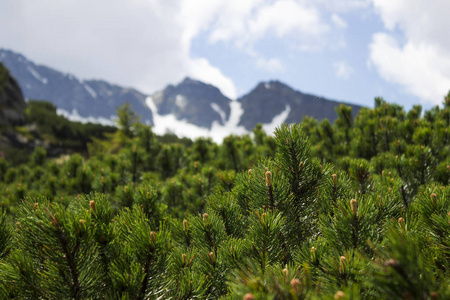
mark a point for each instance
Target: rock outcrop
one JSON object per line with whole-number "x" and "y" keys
{"x": 12, "y": 103}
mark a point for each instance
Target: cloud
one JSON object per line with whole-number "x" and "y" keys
{"x": 245, "y": 22}
{"x": 343, "y": 70}
{"x": 285, "y": 17}
{"x": 146, "y": 44}
{"x": 419, "y": 68}
{"x": 201, "y": 69}
{"x": 143, "y": 44}
{"x": 420, "y": 61}
{"x": 298, "y": 24}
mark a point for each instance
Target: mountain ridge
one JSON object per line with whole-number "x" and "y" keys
{"x": 258, "y": 104}
{"x": 189, "y": 102}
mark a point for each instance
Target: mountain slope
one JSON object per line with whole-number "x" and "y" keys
{"x": 90, "y": 98}
{"x": 191, "y": 108}
{"x": 271, "y": 99}
{"x": 194, "y": 101}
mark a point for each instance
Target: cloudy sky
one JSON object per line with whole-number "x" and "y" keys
{"x": 351, "y": 50}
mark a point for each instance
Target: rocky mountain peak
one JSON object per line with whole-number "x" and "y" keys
{"x": 273, "y": 99}
{"x": 196, "y": 102}
{"x": 88, "y": 99}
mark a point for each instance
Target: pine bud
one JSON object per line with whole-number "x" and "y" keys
{"x": 285, "y": 271}
{"x": 391, "y": 263}
{"x": 249, "y": 172}
{"x": 354, "y": 206}
{"x": 82, "y": 224}
{"x": 263, "y": 218}
{"x": 342, "y": 261}
{"x": 92, "y": 205}
{"x": 153, "y": 236}
{"x": 211, "y": 258}
{"x": 313, "y": 253}
{"x": 334, "y": 179}
{"x": 340, "y": 295}
{"x": 205, "y": 219}
{"x": 249, "y": 296}
{"x": 185, "y": 225}
{"x": 434, "y": 295}
{"x": 433, "y": 198}
{"x": 295, "y": 285}
{"x": 268, "y": 178}
{"x": 35, "y": 206}
{"x": 184, "y": 259}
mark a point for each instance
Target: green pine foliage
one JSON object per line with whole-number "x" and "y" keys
{"x": 357, "y": 209}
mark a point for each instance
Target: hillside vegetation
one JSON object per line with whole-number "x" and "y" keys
{"x": 357, "y": 209}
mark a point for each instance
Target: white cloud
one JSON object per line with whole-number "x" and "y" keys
{"x": 420, "y": 63}
{"x": 147, "y": 43}
{"x": 244, "y": 23}
{"x": 202, "y": 70}
{"x": 287, "y": 17}
{"x": 343, "y": 70}
{"x": 143, "y": 44}
{"x": 420, "y": 69}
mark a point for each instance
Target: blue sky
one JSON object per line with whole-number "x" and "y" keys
{"x": 349, "y": 50}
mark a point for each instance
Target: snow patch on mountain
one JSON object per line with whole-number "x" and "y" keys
{"x": 37, "y": 75}
{"x": 181, "y": 101}
{"x": 218, "y": 110}
{"x": 277, "y": 120}
{"x": 90, "y": 90}
{"x": 75, "y": 116}
{"x": 170, "y": 124}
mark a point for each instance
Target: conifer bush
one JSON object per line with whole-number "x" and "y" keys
{"x": 358, "y": 209}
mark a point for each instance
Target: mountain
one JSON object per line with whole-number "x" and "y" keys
{"x": 94, "y": 99}
{"x": 190, "y": 109}
{"x": 273, "y": 99}
{"x": 12, "y": 103}
{"x": 196, "y": 102}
